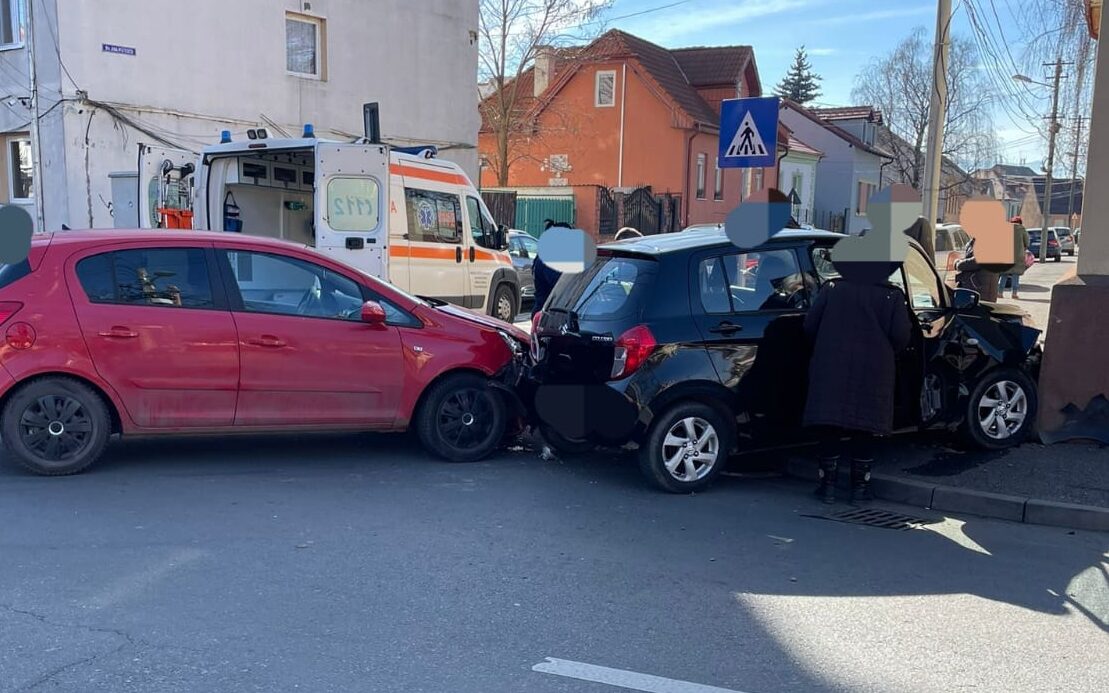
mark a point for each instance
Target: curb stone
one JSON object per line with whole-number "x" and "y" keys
{"x": 982, "y": 503}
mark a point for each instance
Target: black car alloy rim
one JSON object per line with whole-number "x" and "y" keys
{"x": 466, "y": 418}
{"x": 55, "y": 427}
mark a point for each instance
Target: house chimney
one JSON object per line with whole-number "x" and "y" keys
{"x": 544, "y": 69}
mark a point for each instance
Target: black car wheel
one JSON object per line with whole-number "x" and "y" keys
{"x": 462, "y": 419}
{"x": 686, "y": 447}
{"x": 55, "y": 426}
{"x": 504, "y": 304}
{"x": 1001, "y": 409}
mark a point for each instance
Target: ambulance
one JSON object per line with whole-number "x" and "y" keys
{"x": 399, "y": 214}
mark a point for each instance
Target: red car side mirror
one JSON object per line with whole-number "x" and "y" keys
{"x": 373, "y": 314}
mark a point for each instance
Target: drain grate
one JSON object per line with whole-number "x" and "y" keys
{"x": 873, "y": 517}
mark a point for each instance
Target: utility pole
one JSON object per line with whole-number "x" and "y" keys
{"x": 937, "y": 109}
{"x": 36, "y": 146}
{"x": 1074, "y": 168}
{"x": 1052, "y": 129}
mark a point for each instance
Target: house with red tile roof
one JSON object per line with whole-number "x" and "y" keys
{"x": 850, "y": 170}
{"x": 624, "y": 113}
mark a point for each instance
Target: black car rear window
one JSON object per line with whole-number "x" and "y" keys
{"x": 611, "y": 289}
{"x": 9, "y": 274}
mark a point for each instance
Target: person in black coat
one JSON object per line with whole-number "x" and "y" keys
{"x": 970, "y": 274}
{"x": 857, "y": 325}
{"x": 542, "y": 274}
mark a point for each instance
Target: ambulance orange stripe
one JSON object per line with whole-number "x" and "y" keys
{"x": 425, "y": 174}
{"x": 445, "y": 253}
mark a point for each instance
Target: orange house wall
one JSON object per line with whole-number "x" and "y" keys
{"x": 657, "y": 149}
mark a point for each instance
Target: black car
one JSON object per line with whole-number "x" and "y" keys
{"x": 522, "y": 248}
{"x": 691, "y": 349}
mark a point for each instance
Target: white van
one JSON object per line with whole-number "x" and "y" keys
{"x": 401, "y": 215}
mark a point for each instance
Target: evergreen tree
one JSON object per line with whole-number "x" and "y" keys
{"x": 800, "y": 84}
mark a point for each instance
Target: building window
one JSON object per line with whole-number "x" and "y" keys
{"x": 305, "y": 49}
{"x": 11, "y": 34}
{"x": 865, "y": 190}
{"x": 797, "y": 183}
{"x": 604, "y": 93}
{"x": 745, "y": 185}
{"x": 758, "y": 179}
{"x": 718, "y": 186}
{"x": 21, "y": 171}
{"x": 700, "y": 176}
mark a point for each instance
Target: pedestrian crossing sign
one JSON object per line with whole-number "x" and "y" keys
{"x": 748, "y": 132}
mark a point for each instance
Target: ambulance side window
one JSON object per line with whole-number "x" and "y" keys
{"x": 433, "y": 217}
{"x": 480, "y": 228}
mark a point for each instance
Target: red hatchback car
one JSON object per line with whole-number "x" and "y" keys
{"x": 156, "y": 332}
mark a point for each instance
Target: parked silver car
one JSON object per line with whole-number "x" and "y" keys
{"x": 522, "y": 248}
{"x": 1067, "y": 244}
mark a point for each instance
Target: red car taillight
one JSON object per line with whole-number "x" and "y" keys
{"x": 632, "y": 349}
{"x": 535, "y": 322}
{"x": 8, "y": 309}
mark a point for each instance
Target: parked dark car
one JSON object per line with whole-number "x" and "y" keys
{"x": 692, "y": 349}
{"x": 522, "y": 248}
{"x": 1054, "y": 250}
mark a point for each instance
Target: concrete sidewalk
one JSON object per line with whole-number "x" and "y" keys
{"x": 1036, "y": 285}
{"x": 1065, "y": 485}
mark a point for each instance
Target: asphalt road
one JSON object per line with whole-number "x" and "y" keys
{"x": 355, "y": 563}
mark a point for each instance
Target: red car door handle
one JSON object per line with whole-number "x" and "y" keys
{"x": 266, "y": 340}
{"x": 119, "y": 333}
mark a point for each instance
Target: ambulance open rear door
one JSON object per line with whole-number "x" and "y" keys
{"x": 165, "y": 186}
{"x": 351, "y": 210}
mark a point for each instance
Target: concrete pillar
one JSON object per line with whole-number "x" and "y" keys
{"x": 1074, "y": 381}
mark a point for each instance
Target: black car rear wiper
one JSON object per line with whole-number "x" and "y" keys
{"x": 433, "y": 301}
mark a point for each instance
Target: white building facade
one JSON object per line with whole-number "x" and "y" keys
{"x": 114, "y": 73}
{"x": 797, "y": 175}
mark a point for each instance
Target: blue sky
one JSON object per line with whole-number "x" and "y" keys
{"x": 841, "y": 36}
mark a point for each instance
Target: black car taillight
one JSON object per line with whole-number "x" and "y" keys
{"x": 631, "y": 350}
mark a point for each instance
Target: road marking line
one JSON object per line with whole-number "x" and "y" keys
{"x": 622, "y": 678}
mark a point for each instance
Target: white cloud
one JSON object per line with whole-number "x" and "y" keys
{"x": 821, "y": 51}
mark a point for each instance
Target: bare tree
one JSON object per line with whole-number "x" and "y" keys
{"x": 900, "y": 83}
{"x": 511, "y": 34}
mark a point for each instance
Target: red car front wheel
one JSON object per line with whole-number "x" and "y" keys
{"x": 462, "y": 419}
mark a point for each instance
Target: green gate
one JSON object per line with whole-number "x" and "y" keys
{"x": 532, "y": 211}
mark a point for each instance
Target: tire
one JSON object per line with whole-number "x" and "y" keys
{"x": 981, "y": 421}
{"x": 461, "y": 419}
{"x": 504, "y": 306}
{"x": 660, "y": 445}
{"x": 55, "y": 426}
{"x": 564, "y": 445}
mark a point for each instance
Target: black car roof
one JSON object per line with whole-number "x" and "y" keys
{"x": 696, "y": 238}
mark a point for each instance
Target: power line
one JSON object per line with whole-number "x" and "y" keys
{"x": 650, "y": 10}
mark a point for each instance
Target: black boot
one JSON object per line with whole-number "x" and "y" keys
{"x": 860, "y": 480}
{"x": 826, "y": 491}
